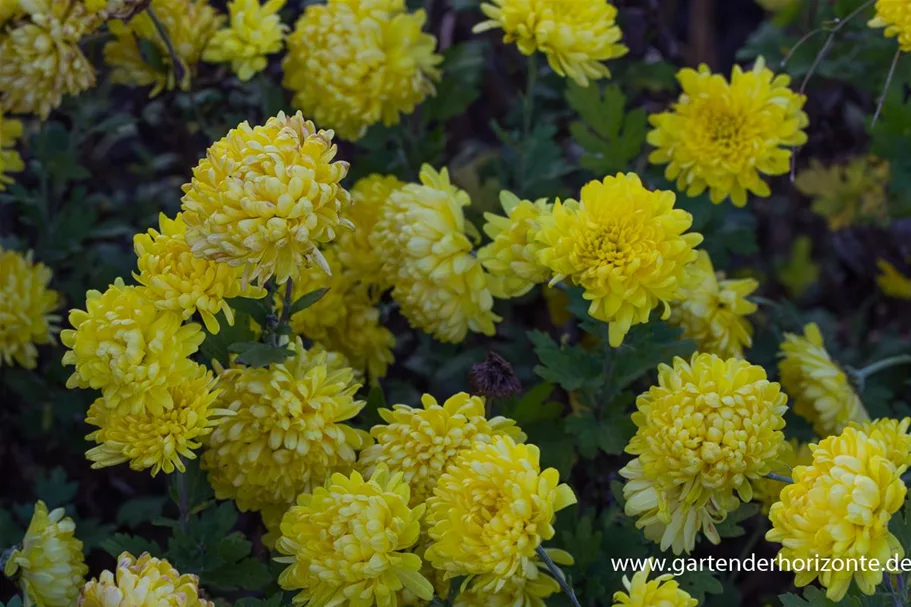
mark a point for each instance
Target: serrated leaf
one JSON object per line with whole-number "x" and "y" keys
{"x": 255, "y": 354}
{"x": 610, "y": 136}
{"x": 533, "y": 406}
{"x": 140, "y": 510}
{"x": 257, "y": 309}
{"x": 305, "y": 301}
{"x": 730, "y": 526}
{"x": 571, "y": 367}
{"x": 463, "y": 68}
{"x": 123, "y": 542}
{"x": 700, "y": 583}
{"x": 54, "y": 488}
{"x": 609, "y": 435}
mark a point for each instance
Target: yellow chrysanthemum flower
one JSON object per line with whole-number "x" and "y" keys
{"x": 26, "y": 308}
{"x": 624, "y": 245}
{"x": 156, "y": 440}
{"x": 10, "y": 160}
{"x": 643, "y": 592}
{"x": 839, "y": 507}
{"x": 576, "y": 37}
{"x": 354, "y": 63}
{"x": 706, "y": 434}
{"x": 143, "y": 582}
{"x": 190, "y": 25}
{"x": 48, "y": 565}
{"x": 847, "y": 194}
{"x": 175, "y": 280}
{"x": 350, "y": 539}
{"x": 820, "y": 389}
{"x": 525, "y": 589}
{"x": 9, "y": 9}
{"x": 129, "y": 349}
{"x": 790, "y": 455}
{"x": 265, "y": 196}
{"x": 512, "y": 256}
{"x": 420, "y": 442}
{"x": 286, "y": 432}
{"x": 492, "y": 507}
{"x": 893, "y": 434}
{"x": 896, "y": 18}
{"x": 892, "y": 282}
{"x": 255, "y": 31}
{"x": 713, "y": 310}
{"x": 423, "y": 240}
{"x": 42, "y": 60}
{"x": 722, "y": 135}
{"x": 354, "y": 250}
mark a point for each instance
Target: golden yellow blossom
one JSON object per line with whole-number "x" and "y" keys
{"x": 129, "y": 349}
{"x": 839, "y": 506}
{"x": 847, "y": 194}
{"x": 143, "y": 582}
{"x": 9, "y": 9}
{"x": 643, "y": 592}
{"x": 26, "y": 308}
{"x": 286, "y": 432}
{"x": 492, "y": 507}
{"x": 713, "y": 310}
{"x": 48, "y": 565}
{"x": 265, "y": 196}
{"x": 350, "y": 539}
{"x": 42, "y": 60}
{"x": 576, "y": 37}
{"x": 255, "y": 31}
{"x": 820, "y": 389}
{"x": 190, "y": 25}
{"x": 724, "y": 135}
{"x": 512, "y": 256}
{"x": 893, "y": 434}
{"x": 354, "y": 63}
{"x": 420, "y": 442}
{"x": 626, "y": 246}
{"x": 527, "y": 588}
{"x": 790, "y": 455}
{"x": 10, "y": 160}
{"x": 896, "y": 18}
{"x": 892, "y": 282}
{"x": 706, "y": 434}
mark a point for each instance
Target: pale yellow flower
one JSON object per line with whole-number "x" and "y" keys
{"x": 892, "y": 282}
{"x": 847, "y": 194}
{"x": 255, "y": 31}
{"x": 143, "y": 582}
{"x": 10, "y": 160}
{"x": 895, "y": 16}
{"x": 661, "y": 591}
{"x": 526, "y": 588}
{"x": 26, "y": 308}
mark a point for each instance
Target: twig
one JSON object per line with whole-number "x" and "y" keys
{"x": 183, "y": 499}
{"x": 558, "y": 575}
{"x": 177, "y": 64}
{"x": 882, "y": 99}
{"x": 780, "y": 477}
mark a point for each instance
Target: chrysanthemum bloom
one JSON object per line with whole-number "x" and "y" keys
{"x": 643, "y": 592}
{"x": 527, "y": 588}
{"x": 722, "y": 136}
{"x": 255, "y": 31}
{"x": 847, "y": 194}
{"x": 10, "y": 160}
{"x": 492, "y": 507}
{"x": 625, "y": 245}
{"x": 48, "y": 565}
{"x": 129, "y": 349}
{"x": 357, "y": 255}
{"x": 423, "y": 240}
{"x": 42, "y": 60}
{"x": 420, "y": 442}
{"x": 893, "y": 434}
{"x": 896, "y": 18}
{"x": 287, "y": 431}
{"x": 790, "y": 455}
{"x": 175, "y": 280}
{"x": 9, "y": 9}
{"x": 511, "y": 257}
{"x": 190, "y": 25}
{"x": 143, "y": 582}
{"x": 820, "y": 389}
{"x": 706, "y": 433}
{"x": 354, "y": 64}
{"x": 156, "y": 440}
{"x": 26, "y": 306}
{"x": 350, "y": 539}
{"x": 713, "y": 310}
{"x": 839, "y": 507}
{"x": 892, "y": 282}
{"x": 574, "y": 36}
{"x": 264, "y": 197}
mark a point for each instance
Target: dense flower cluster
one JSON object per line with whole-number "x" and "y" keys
{"x": 625, "y": 245}
{"x": 354, "y": 64}
{"x": 839, "y": 507}
{"x": 713, "y": 310}
{"x": 264, "y": 197}
{"x": 10, "y": 160}
{"x": 26, "y": 308}
{"x": 706, "y": 433}
{"x": 190, "y": 25}
{"x": 143, "y": 582}
{"x": 722, "y": 135}
{"x": 576, "y": 37}
{"x": 847, "y": 194}
{"x": 255, "y": 31}
{"x": 822, "y": 393}
{"x": 643, "y": 592}
{"x": 48, "y": 565}
{"x": 896, "y": 18}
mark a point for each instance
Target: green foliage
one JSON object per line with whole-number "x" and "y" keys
{"x": 572, "y": 367}
{"x": 611, "y": 136}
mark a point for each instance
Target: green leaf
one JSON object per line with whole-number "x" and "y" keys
{"x": 585, "y": 542}
{"x": 123, "y": 542}
{"x": 229, "y": 567}
{"x": 463, "y": 68}
{"x": 15, "y": 601}
{"x": 217, "y": 346}
{"x": 140, "y": 510}
{"x": 730, "y": 526}
{"x": 273, "y": 601}
{"x": 256, "y": 354}
{"x": 54, "y": 488}
{"x": 92, "y": 532}
{"x": 257, "y": 309}
{"x": 812, "y": 597}
{"x": 151, "y": 55}
{"x": 533, "y": 406}
{"x": 610, "y": 136}
{"x": 609, "y": 435}
{"x": 572, "y": 367}
{"x": 700, "y": 583}
{"x": 305, "y": 301}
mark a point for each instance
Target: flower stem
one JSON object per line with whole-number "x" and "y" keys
{"x": 882, "y": 99}
{"x": 880, "y": 365}
{"x": 780, "y": 477}
{"x": 528, "y": 109}
{"x": 183, "y": 499}
{"x": 177, "y": 64}
{"x": 558, "y": 575}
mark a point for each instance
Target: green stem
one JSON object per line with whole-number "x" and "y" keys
{"x": 287, "y": 302}
{"x": 780, "y": 477}
{"x": 183, "y": 499}
{"x": 558, "y": 575}
{"x": 176, "y": 63}
{"x": 880, "y": 365}
{"x": 528, "y": 109}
